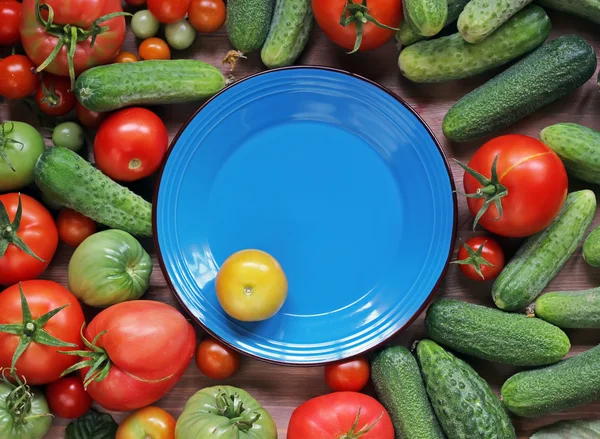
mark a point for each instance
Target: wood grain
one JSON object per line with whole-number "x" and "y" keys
{"x": 282, "y": 389}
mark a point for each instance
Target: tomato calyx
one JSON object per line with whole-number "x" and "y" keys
{"x": 96, "y": 359}
{"x": 232, "y": 407}
{"x": 353, "y": 434}
{"x": 359, "y": 15}
{"x": 19, "y": 400}
{"x": 8, "y": 232}
{"x": 6, "y": 141}
{"x": 475, "y": 259}
{"x": 50, "y": 96}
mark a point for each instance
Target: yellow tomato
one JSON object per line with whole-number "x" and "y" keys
{"x": 251, "y": 286}
{"x": 147, "y": 423}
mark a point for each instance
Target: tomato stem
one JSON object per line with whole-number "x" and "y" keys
{"x": 359, "y": 15}
{"x": 50, "y": 96}
{"x": 96, "y": 359}
{"x": 353, "y": 434}
{"x": 475, "y": 259}
{"x": 232, "y": 407}
{"x": 10, "y": 232}
{"x": 6, "y": 141}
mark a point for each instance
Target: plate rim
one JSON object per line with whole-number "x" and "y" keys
{"x": 364, "y": 351}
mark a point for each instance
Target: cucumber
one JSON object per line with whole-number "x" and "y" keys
{"x": 591, "y": 248}
{"x": 494, "y": 335}
{"x": 570, "y": 309}
{"x": 289, "y": 33}
{"x": 463, "y": 402}
{"x": 114, "y": 86}
{"x": 481, "y": 18}
{"x": 589, "y": 9}
{"x": 552, "y": 71}
{"x": 569, "y": 383}
{"x": 451, "y": 57}
{"x": 578, "y": 429}
{"x": 400, "y": 389}
{"x": 426, "y": 17}
{"x": 578, "y": 147}
{"x": 248, "y": 23}
{"x": 542, "y": 255}
{"x": 65, "y": 176}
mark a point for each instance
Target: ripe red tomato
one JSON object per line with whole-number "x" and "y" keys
{"x": 131, "y": 144}
{"x": 207, "y": 15}
{"x": 340, "y": 415}
{"x": 36, "y": 231}
{"x": 382, "y": 17}
{"x": 147, "y": 423}
{"x": 17, "y": 77}
{"x": 154, "y": 48}
{"x": 10, "y": 15}
{"x": 531, "y": 186}
{"x": 54, "y": 96}
{"x": 89, "y": 119}
{"x": 73, "y": 227}
{"x": 481, "y": 258}
{"x": 123, "y": 57}
{"x": 40, "y": 363}
{"x": 67, "y": 398}
{"x": 215, "y": 360}
{"x": 168, "y": 11}
{"x": 348, "y": 376}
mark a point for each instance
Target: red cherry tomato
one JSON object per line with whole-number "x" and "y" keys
{"x": 481, "y": 258}
{"x": 154, "y": 48}
{"x": 17, "y": 77}
{"x": 207, "y": 15}
{"x": 73, "y": 227}
{"x": 89, "y": 119}
{"x": 67, "y": 398}
{"x": 215, "y": 360}
{"x": 348, "y": 376}
{"x": 54, "y": 95}
{"x": 168, "y": 11}
{"x": 10, "y": 15}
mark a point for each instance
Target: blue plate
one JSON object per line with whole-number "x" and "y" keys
{"x": 334, "y": 176}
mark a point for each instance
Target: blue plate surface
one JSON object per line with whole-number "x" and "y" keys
{"x": 336, "y": 178}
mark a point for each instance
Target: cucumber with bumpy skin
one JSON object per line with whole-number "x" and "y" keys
{"x": 589, "y": 9}
{"x": 426, "y": 17}
{"x": 570, "y": 309}
{"x": 481, "y": 18}
{"x": 406, "y": 35}
{"x": 591, "y": 248}
{"x": 248, "y": 23}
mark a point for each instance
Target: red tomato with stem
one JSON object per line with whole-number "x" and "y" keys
{"x": 89, "y": 119}
{"x": 348, "y": 376}
{"x": 44, "y": 318}
{"x": 54, "y": 96}
{"x": 341, "y": 415}
{"x": 481, "y": 258}
{"x": 516, "y": 186}
{"x": 67, "y": 398}
{"x": 28, "y": 238}
{"x": 168, "y": 11}
{"x": 17, "y": 77}
{"x": 10, "y": 15}
{"x": 73, "y": 227}
{"x": 215, "y": 360}
{"x": 207, "y": 15}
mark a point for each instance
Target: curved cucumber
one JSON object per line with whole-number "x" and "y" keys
{"x": 451, "y": 57}
{"x": 248, "y": 23}
{"x": 542, "y": 255}
{"x": 591, "y": 248}
{"x": 570, "y": 309}
{"x": 426, "y": 17}
{"x": 589, "y": 9}
{"x": 481, "y": 18}
{"x": 406, "y": 35}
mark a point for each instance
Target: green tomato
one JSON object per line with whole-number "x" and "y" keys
{"x": 180, "y": 35}
{"x": 24, "y": 420}
{"x": 109, "y": 267}
{"x": 69, "y": 135}
{"x": 144, "y": 25}
{"x": 20, "y": 147}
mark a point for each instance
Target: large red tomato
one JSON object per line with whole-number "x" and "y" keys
{"x": 341, "y": 415}
{"x": 10, "y": 14}
{"x": 527, "y": 192}
{"x": 51, "y": 319}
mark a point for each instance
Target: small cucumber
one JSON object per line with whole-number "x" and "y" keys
{"x": 481, "y": 18}
{"x": 589, "y": 9}
{"x": 451, "y": 57}
{"x": 248, "y": 23}
{"x": 65, "y": 176}
{"x": 400, "y": 389}
{"x": 542, "y": 255}
{"x": 463, "y": 402}
{"x": 578, "y": 147}
{"x": 406, "y": 35}
{"x": 495, "y": 335}
{"x": 290, "y": 31}
{"x": 114, "y": 86}
{"x": 426, "y": 17}
{"x": 591, "y": 248}
{"x": 569, "y": 383}
{"x": 570, "y": 309}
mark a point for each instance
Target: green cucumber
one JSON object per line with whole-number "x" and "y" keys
{"x": 114, "y": 86}
{"x": 66, "y": 177}
{"x": 552, "y": 71}
{"x": 481, "y": 18}
{"x": 495, "y": 335}
{"x": 400, "y": 389}
{"x": 426, "y": 17}
{"x": 591, "y": 248}
{"x": 570, "y": 309}
{"x": 578, "y": 147}
{"x": 248, "y": 23}
{"x": 564, "y": 385}
{"x": 289, "y": 33}
{"x": 542, "y": 255}
{"x": 451, "y": 57}
{"x": 576, "y": 429}
{"x": 589, "y": 9}
{"x": 463, "y": 402}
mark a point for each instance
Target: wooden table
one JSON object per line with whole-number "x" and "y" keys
{"x": 282, "y": 389}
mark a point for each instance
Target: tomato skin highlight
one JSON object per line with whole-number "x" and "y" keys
{"x": 492, "y": 252}
{"x": 348, "y": 376}
{"x": 215, "y": 360}
{"x": 147, "y": 423}
{"x": 73, "y": 227}
{"x": 67, "y": 398}
{"x": 17, "y": 77}
{"x": 10, "y": 16}
{"x": 207, "y": 15}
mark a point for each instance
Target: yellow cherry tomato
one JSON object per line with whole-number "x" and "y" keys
{"x": 251, "y": 286}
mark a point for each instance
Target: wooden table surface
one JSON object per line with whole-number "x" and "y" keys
{"x": 282, "y": 389}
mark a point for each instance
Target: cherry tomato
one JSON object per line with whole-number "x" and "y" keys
{"x": 215, "y": 360}
{"x": 207, "y": 15}
{"x": 54, "y": 95}
{"x": 147, "y": 423}
{"x": 481, "y": 258}
{"x": 89, "y": 119}
{"x": 348, "y": 376}
{"x": 168, "y": 11}
{"x": 136, "y": 2}
{"x": 73, "y": 227}
{"x": 154, "y": 48}
{"x": 126, "y": 57}
{"x": 67, "y": 398}
{"x": 10, "y": 15}
{"x": 131, "y": 144}
{"x": 17, "y": 77}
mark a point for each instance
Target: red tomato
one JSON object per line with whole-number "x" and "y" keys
{"x": 335, "y": 415}
{"x": 67, "y": 398}
{"x": 17, "y": 77}
{"x": 207, "y": 15}
{"x": 382, "y": 16}
{"x": 481, "y": 258}
{"x": 123, "y": 57}
{"x": 54, "y": 95}
{"x": 36, "y": 230}
{"x": 348, "y": 376}
{"x": 89, "y": 119}
{"x": 147, "y": 423}
{"x": 10, "y": 15}
{"x": 148, "y": 346}
{"x": 131, "y": 144}
{"x": 154, "y": 48}
{"x": 215, "y": 360}
{"x": 168, "y": 11}
{"x": 532, "y": 185}
{"x": 136, "y": 2}
{"x": 40, "y": 363}
{"x": 73, "y": 227}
